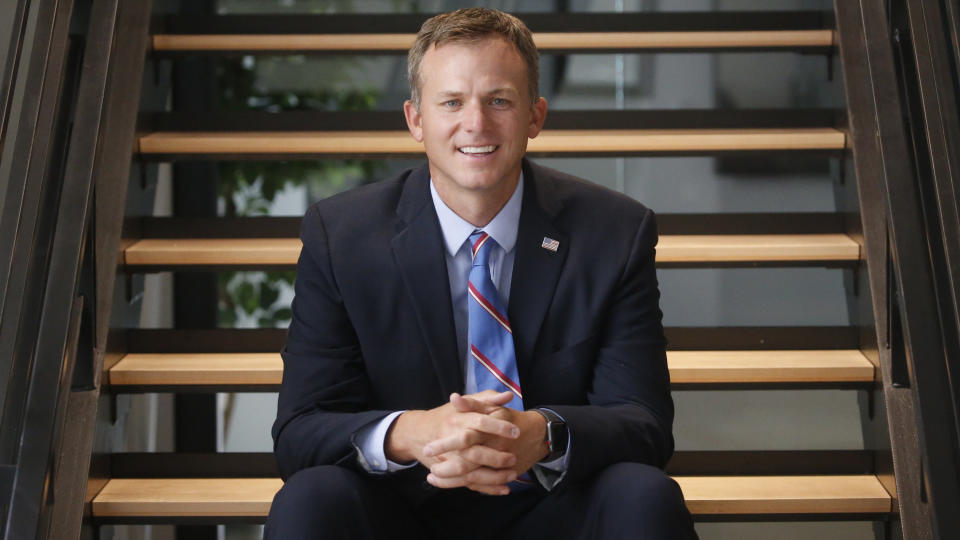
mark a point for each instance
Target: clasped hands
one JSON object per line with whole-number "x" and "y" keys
{"x": 472, "y": 441}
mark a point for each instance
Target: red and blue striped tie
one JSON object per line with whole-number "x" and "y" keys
{"x": 491, "y": 339}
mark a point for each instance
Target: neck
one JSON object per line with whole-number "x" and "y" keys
{"x": 476, "y": 207}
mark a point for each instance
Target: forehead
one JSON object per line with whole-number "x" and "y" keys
{"x": 479, "y": 60}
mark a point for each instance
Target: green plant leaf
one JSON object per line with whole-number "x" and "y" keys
{"x": 268, "y": 295}
{"x": 246, "y": 297}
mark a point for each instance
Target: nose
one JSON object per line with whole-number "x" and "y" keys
{"x": 474, "y": 117}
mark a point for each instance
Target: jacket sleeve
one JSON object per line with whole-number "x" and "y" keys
{"x": 325, "y": 394}
{"x": 629, "y": 412}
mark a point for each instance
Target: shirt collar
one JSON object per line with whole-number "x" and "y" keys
{"x": 503, "y": 226}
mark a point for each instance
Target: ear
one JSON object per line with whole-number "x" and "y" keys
{"x": 538, "y": 117}
{"x": 413, "y": 120}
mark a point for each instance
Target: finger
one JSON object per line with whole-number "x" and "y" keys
{"x": 484, "y": 402}
{"x": 492, "y": 397}
{"x": 452, "y": 466}
{"x": 479, "y": 477}
{"x": 489, "y": 490}
{"x": 446, "y": 483}
{"x": 490, "y": 477}
{"x": 484, "y": 456}
{"x": 492, "y": 425}
{"x": 460, "y": 441}
{"x": 464, "y": 404}
{"x": 472, "y": 434}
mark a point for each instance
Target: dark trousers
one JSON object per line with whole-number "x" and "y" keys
{"x": 625, "y": 501}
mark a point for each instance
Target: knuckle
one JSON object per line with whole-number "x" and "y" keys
{"x": 474, "y": 477}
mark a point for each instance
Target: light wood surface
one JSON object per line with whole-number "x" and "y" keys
{"x": 217, "y": 251}
{"x": 671, "y": 249}
{"x": 757, "y": 248}
{"x": 827, "y": 366}
{"x": 197, "y": 369}
{"x": 186, "y": 497}
{"x": 686, "y": 367}
{"x": 589, "y": 141}
{"x": 586, "y": 41}
{"x": 848, "y": 494}
{"x": 836, "y": 495}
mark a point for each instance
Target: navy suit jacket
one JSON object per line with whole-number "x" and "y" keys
{"x": 373, "y": 331}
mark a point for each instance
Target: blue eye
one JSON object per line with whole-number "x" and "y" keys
{"x": 453, "y": 103}
{"x": 498, "y": 101}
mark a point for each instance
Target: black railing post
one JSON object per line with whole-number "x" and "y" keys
{"x": 897, "y": 138}
{"x": 17, "y": 13}
{"x": 75, "y": 121}
{"x": 194, "y": 90}
{"x": 105, "y": 126}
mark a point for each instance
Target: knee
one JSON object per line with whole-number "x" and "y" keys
{"x": 314, "y": 497}
{"x": 638, "y": 488}
{"x": 319, "y": 489}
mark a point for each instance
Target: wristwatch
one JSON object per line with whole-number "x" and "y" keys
{"x": 557, "y": 434}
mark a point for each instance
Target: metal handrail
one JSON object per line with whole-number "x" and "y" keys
{"x": 54, "y": 327}
{"x": 18, "y": 30}
{"x": 907, "y": 172}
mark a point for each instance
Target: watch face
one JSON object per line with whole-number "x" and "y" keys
{"x": 558, "y": 436}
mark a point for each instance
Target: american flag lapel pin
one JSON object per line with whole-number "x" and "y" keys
{"x": 550, "y": 244}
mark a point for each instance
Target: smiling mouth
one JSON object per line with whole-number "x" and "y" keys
{"x": 478, "y": 150}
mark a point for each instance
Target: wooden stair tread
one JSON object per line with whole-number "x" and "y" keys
{"x": 545, "y": 41}
{"x": 815, "y": 494}
{"x": 692, "y": 367}
{"x": 588, "y": 141}
{"x": 671, "y": 249}
{"x": 705, "y": 495}
{"x": 164, "y": 497}
{"x": 686, "y": 367}
{"x": 197, "y": 369}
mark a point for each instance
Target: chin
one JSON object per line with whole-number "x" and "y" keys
{"x": 483, "y": 183}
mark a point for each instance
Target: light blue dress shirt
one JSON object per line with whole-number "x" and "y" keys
{"x": 456, "y": 232}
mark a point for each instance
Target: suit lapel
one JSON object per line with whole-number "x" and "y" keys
{"x": 535, "y": 268}
{"x": 418, "y": 250}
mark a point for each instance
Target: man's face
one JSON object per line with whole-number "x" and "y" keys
{"x": 475, "y": 117}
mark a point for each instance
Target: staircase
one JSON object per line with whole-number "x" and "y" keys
{"x": 724, "y": 483}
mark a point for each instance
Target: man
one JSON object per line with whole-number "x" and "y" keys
{"x": 532, "y": 292}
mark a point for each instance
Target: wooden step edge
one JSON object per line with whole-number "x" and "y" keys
{"x": 593, "y": 141}
{"x": 671, "y": 249}
{"x": 200, "y": 369}
{"x": 789, "y": 495}
{"x": 545, "y": 41}
{"x": 833, "y": 495}
{"x": 686, "y": 367}
{"x": 769, "y": 366}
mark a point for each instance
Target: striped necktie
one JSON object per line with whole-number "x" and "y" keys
{"x": 491, "y": 339}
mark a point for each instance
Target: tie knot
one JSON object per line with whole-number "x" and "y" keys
{"x": 480, "y": 245}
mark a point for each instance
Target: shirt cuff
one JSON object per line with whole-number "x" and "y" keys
{"x": 371, "y": 440}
